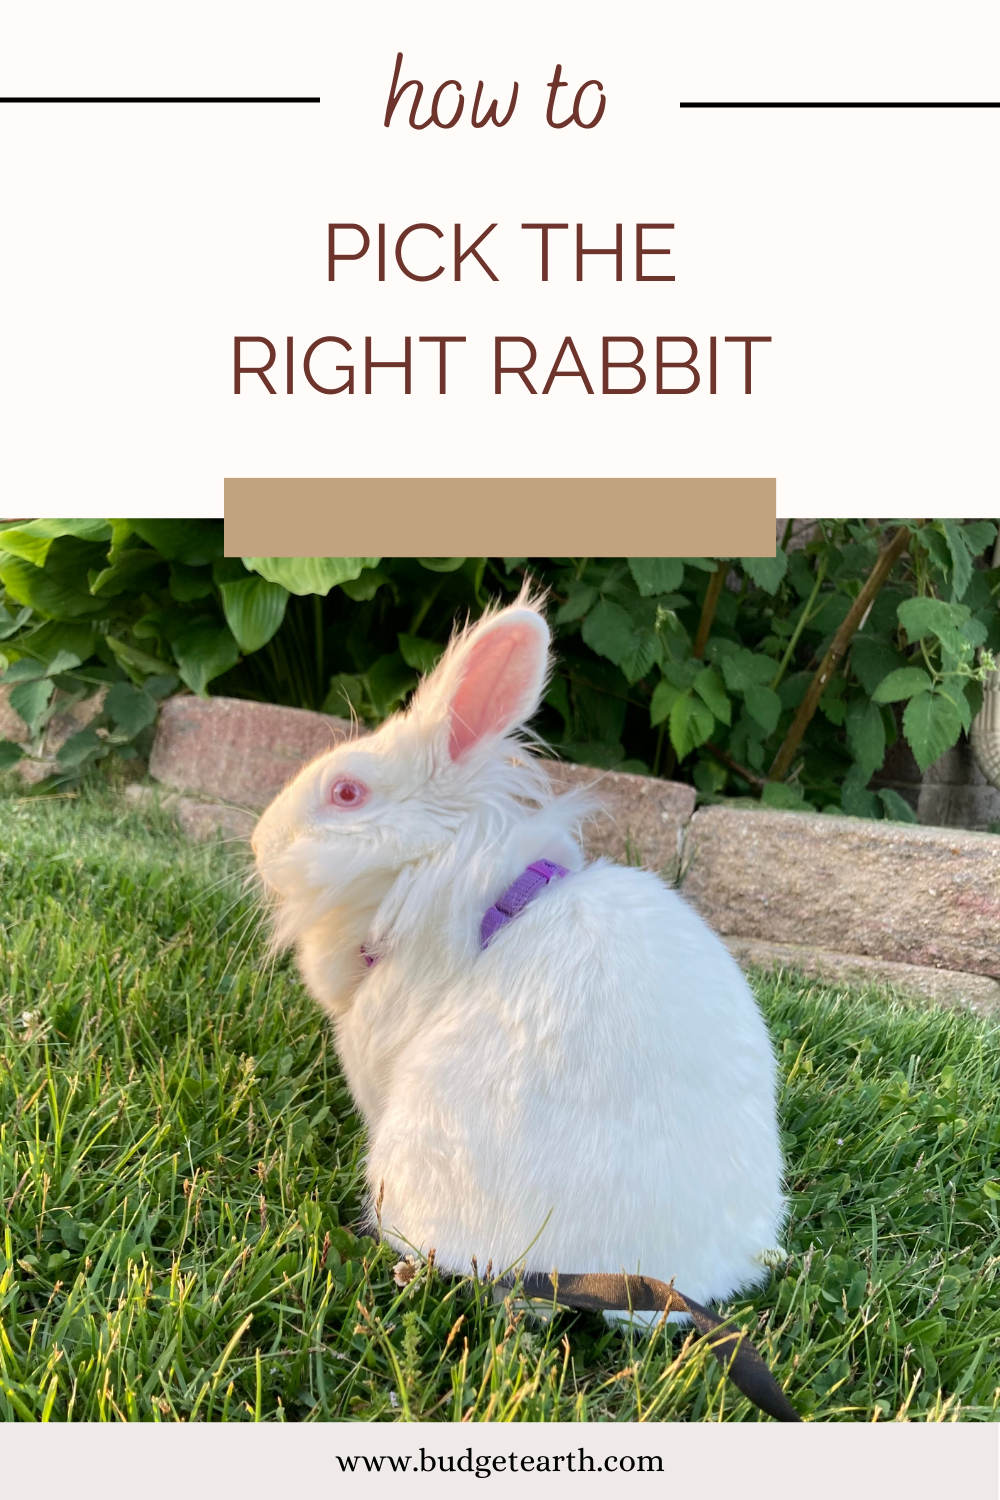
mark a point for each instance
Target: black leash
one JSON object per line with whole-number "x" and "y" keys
{"x": 597, "y": 1292}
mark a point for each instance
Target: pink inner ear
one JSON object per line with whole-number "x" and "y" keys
{"x": 497, "y": 687}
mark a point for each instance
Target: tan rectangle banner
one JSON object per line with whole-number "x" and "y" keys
{"x": 500, "y": 517}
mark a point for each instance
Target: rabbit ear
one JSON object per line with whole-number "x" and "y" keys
{"x": 501, "y": 673}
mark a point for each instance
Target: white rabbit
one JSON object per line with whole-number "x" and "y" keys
{"x": 595, "y": 1090}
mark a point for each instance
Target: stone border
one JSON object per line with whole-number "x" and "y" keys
{"x": 913, "y": 907}
{"x": 895, "y": 891}
{"x": 941, "y": 986}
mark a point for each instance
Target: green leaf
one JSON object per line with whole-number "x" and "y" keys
{"x": 30, "y": 700}
{"x": 763, "y": 706}
{"x": 120, "y": 533}
{"x": 682, "y": 673}
{"x": 710, "y": 777}
{"x": 691, "y": 723}
{"x": 794, "y": 688}
{"x": 79, "y": 748}
{"x": 133, "y": 571}
{"x": 46, "y": 595}
{"x": 204, "y": 652}
{"x": 132, "y": 708}
{"x": 665, "y": 695}
{"x": 579, "y": 598}
{"x": 165, "y": 623}
{"x": 905, "y": 682}
{"x": 311, "y": 575}
{"x": 441, "y": 564}
{"x": 896, "y": 807}
{"x": 643, "y": 654}
{"x": 929, "y": 617}
{"x": 970, "y": 699}
{"x": 703, "y": 564}
{"x": 800, "y": 575}
{"x": 9, "y": 623}
{"x": 10, "y": 754}
{"x": 365, "y": 586}
{"x": 961, "y": 561}
{"x": 709, "y": 687}
{"x": 48, "y": 640}
{"x": 936, "y": 546}
{"x": 24, "y": 670}
{"x": 829, "y": 614}
{"x": 656, "y": 575}
{"x": 188, "y": 584}
{"x": 608, "y": 631}
{"x": 63, "y": 661}
{"x": 872, "y": 660}
{"x": 598, "y": 691}
{"x": 978, "y": 536}
{"x": 32, "y": 540}
{"x": 866, "y": 735}
{"x": 228, "y": 570}
{"x": 991, "y": 1189}
{"x": 855, "y": 798}
{"x": 786, "y": 797}
{"x": 558, "y": 697}
{"x": 135, "y": 661}
{"x": 952, "y": 687}
{"x": 389, "y": 681}
{"x": 976, "y": 632}
{"x": 932, "y": 724}
{"x": 743, "y": 669}
{"x": 254, "y": 610}
{"x": 194, "y": 542}
{"x": 767, "y": 572}
{"x": 423, "y": 656}
{"x": 345, "y": 695}
{"x": 857, "y": 560}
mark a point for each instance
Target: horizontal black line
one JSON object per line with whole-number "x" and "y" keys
{"x": 840, "y": 104}
{"x": 146, "y": 99}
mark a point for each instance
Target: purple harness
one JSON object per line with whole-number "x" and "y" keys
{"x": 517, "y": 896}
{"x": 510, "y": 905}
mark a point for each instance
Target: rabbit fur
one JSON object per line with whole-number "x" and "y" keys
{"x": 593, "y": 1092}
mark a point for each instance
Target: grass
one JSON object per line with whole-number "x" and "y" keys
{"x": 180, "y": 1167}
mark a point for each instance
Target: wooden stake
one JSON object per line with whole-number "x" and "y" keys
{"x": 883, "y": 567}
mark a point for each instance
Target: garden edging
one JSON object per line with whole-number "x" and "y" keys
{"x": 912, "y": 906}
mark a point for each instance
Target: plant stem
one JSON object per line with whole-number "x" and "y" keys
{"x": 883, "y": 567}
{"x": 318, "y": 630}
{"x": 750, "y": 777}
{"x": 803, "y": 622}
{"x": 659, "y": 747}
{"x": 708, "y": 608}
{"x": 934, "y": 674}
{"x": 420, "y": 613}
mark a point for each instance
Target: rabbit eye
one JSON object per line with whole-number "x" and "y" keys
{"x": 348, "y": 793}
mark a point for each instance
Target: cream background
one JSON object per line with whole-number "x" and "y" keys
{"x": 139, "y": 240}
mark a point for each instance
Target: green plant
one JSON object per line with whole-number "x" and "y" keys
{"x": 712, "y": 670}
